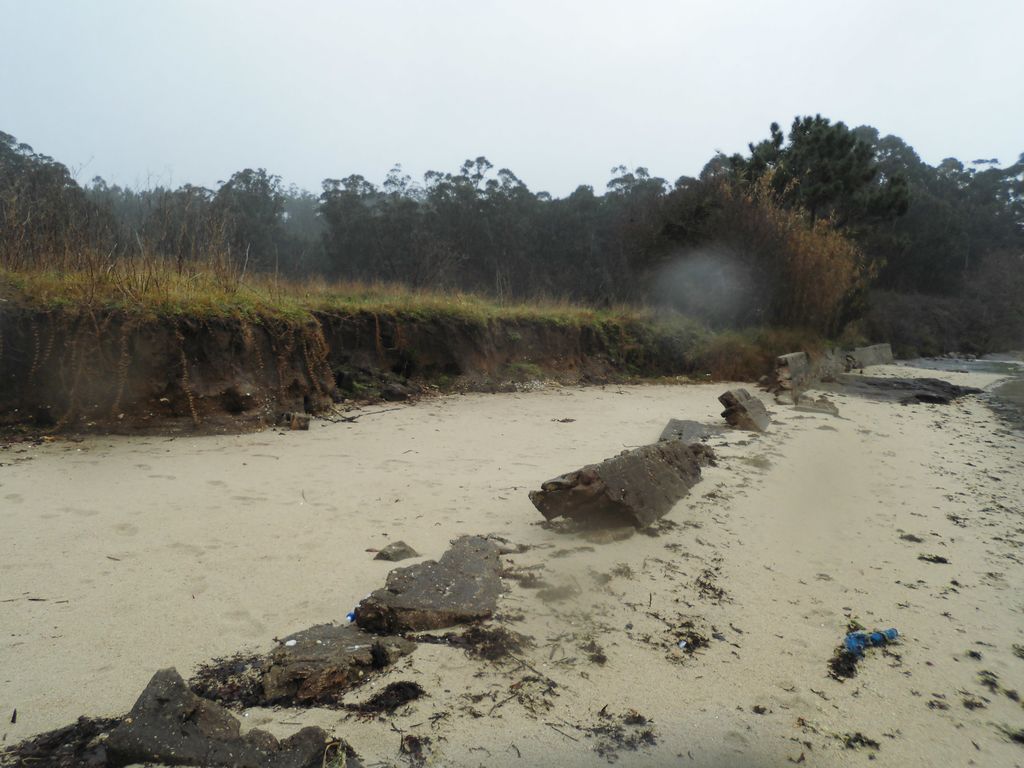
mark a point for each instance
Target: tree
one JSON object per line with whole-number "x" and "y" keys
{"x": 827, "y": 170}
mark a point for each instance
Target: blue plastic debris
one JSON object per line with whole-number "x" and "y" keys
{"x": 351, "y": 616}
{"x": 857, "y": 642}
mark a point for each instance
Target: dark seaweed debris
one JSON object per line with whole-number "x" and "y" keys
{"x": 625, "y": 732}
{"x": 75, "y": 746}
{"x": 414, "y": 749}
{"x": 234, "y": 681}
{"x": 390, "y": 699}
{"x": 843, "y": 664}
{"x": 489, "y": 643}
{"x": 939, "y": 559}
{"x": 594, "y": 652}
{"x": 858, "y": 740}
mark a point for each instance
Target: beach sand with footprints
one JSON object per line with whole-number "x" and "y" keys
{"x": 703, "y": 641}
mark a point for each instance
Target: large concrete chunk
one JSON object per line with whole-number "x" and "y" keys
{"x": 636, "y": 487}
{"x": 462, "y": 586}
{"x": 170, "y": 725}
{"x": 744, "y": 411}
{"x": 317, "y": 665}
{"x": 792, "y": 371}
{"x": 688, "y": 431}
{"x": 877, "y": 354}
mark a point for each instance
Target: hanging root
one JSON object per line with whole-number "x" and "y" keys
{"x": 185, "y": 378}
{"x": 123, "y": 363}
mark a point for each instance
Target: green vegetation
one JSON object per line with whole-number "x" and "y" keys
{"x": 837, "y": 231}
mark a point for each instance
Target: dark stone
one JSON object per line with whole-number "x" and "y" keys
{"x": 81, "y": 745}
{"x": 170, "y": 725}
{"x": 744, "y": 411}
{"x": 394, "y": 392}
{"x": 395, "y": 551}
{"x": 636, "y": 487}
{"x": 907, "y": 391}
{"x": 317, "y": 665}
{"x": 462, "y": 586}
{"x": 688, "y": 431}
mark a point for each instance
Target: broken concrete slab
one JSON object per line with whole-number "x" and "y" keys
{"x": 396, "y": 551}
{"x": 744, "y": 411}
{"x": 876, "y": 354}
{"x": 170, "y": 725}
{"x": 462, "y": 586}
{"x": 636, "y": 487}
{"x": 906, "y": 391}
{"x": 688, "y": 431}
{"x": 792, "y": 372}
{"x": 315, "y": 666}
{"x": 822, "y": 404}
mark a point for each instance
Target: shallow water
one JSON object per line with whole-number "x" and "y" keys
{"x": 1005, "y": 398}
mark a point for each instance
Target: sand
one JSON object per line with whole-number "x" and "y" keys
{"x": 123, "y": 555}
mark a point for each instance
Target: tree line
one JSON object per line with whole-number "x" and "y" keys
{"x": 803, "y": 229}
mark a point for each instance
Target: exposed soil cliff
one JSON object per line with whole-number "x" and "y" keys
{"x": 115, "y": 371}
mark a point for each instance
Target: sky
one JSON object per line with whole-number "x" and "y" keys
{"x": 143, "y": 92}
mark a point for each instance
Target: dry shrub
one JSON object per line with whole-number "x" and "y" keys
{"x": 808, "y": 272}
{"x": 748, "y": 355}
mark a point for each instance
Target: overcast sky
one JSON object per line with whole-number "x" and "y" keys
{"x": 144, "y": 92}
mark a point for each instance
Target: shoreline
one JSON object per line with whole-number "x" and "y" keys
{"x": 177, "y": 550}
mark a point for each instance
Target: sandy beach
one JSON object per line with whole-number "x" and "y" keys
{"x": 124, "y": 555}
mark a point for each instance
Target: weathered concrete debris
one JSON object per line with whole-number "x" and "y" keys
{"x": 395, "y": 551}
{"x": 744, "y": 411}
{"x": 462, "y": 586}
{"x": 316, "y": 665}
{"x": 821, "y": 404}
{"x": 636, "y": 487}
{"x": 688, "y": 431}
{"x": 906, "y": 391}
{"x": 798, "y": 370}
{"x": 170, "y": 725}
{"x": 792, "y": 372}
{"x": 877, "y": 354}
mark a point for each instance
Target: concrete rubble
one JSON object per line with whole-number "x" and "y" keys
{"x": 637, "y": 487}
{"x": 170, "y": 725}
{"x": 317, "y": 665}
{"x": 744, "y": 411}
{"x": 821, "y": 404}
{"x": 462, "y": 586}
{"x": 688, "y": 431}
{"x": 395, "y": 551}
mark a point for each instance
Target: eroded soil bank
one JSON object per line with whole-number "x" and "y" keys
{"x": 119, "y": 372}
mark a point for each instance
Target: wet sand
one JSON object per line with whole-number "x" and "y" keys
{"x": 124, "y": 555}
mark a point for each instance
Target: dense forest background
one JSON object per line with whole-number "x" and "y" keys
{"x": 842, "y": 231}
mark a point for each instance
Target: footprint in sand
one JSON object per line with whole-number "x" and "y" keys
{"x": 80, "y": 512}
{"x": 217, "y": 483}
{"x": 17, "y": 498}
{"x": 736, "y": 741}
{"x": 244, "y": 617}
{"x": 126, "y": 529}
{"x": 162, "y": 477}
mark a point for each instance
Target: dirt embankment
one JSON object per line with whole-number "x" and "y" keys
{"x": 114, "y": 371}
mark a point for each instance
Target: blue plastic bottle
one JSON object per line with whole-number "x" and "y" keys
{"x": 856, "y": 642}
